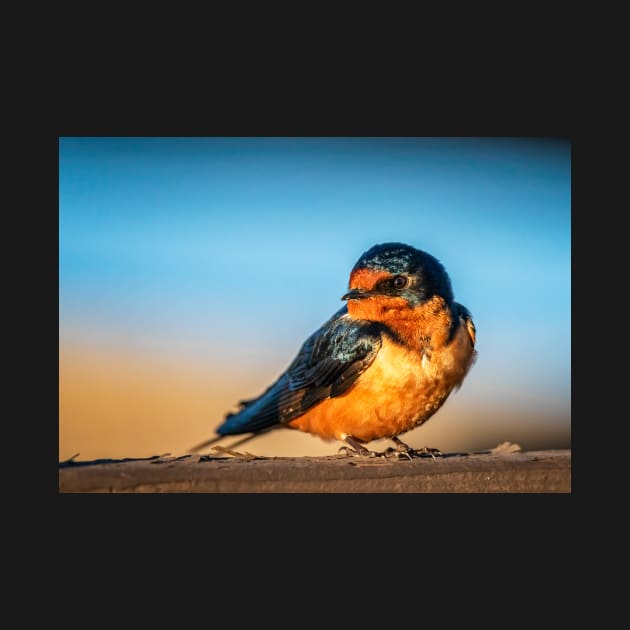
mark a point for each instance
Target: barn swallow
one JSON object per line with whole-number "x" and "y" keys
{"x": 380, "y": 366}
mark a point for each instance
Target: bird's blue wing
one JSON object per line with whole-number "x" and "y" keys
{"x": 328, "y": 364}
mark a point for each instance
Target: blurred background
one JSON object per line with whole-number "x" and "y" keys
{"x": 191, "y": 270}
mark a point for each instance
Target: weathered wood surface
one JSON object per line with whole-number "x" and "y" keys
{"x": 531, "y": 471}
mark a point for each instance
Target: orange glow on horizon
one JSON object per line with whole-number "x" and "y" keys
{"x": 115, "y": 403}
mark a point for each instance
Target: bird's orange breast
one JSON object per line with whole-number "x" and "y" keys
{"x": 400, "y": 390}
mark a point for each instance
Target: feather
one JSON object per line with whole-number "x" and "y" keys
{"x": 327, "y": 365}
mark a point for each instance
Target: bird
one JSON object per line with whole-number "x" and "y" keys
{"x": 381, "y": 366}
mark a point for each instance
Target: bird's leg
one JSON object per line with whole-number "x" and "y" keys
{"x": 401, "y": 447}
{"x": 357, "y": 449}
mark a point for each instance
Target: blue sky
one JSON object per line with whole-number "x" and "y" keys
{"x": 239, "y": 248}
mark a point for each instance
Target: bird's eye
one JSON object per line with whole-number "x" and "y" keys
{"x": 399, "y": 282}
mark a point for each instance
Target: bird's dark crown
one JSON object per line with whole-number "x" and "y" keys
{"x": 398, "y": 258}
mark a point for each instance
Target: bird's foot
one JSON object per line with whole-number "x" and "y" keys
{"x": 404, "y": 450}
{"x": 356, "y": 449}
{"x": 359, "y": 452}
{"x": 427, "y": 450}
{"x": 398, "y": 453}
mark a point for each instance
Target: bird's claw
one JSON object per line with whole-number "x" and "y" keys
{"x": 405, "y": 450}
{"x": 427, "y": 450}
{"x": 398, "y": 453}
{"x": 411, "y": 453}
{"x": 353, "y": 452}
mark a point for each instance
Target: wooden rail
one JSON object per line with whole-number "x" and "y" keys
{"x": 488, "y": 471}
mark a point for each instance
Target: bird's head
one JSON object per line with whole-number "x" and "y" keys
{"x": 396, "y": 280}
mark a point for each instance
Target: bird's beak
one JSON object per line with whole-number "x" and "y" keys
{"x": 357, "y": 294}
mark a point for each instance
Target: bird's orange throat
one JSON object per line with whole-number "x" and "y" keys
{"x": 432, "y": 320}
